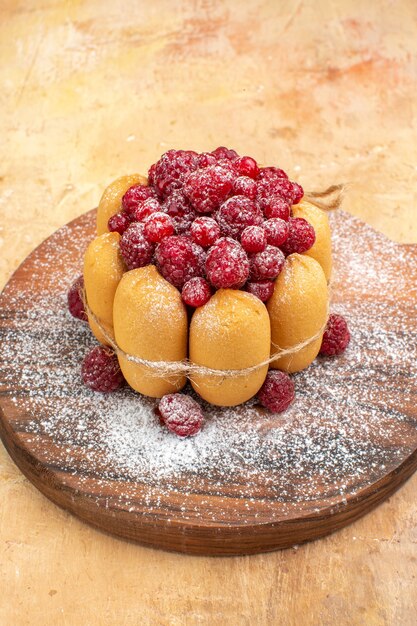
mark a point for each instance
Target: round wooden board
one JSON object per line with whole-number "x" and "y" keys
{"x": 250, "y": 481}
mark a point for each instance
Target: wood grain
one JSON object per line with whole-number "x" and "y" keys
{"x": 194, "y": 514}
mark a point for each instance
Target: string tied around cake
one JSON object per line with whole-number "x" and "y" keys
{"x": 185, "y": 367}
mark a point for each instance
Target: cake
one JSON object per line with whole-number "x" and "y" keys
{"x": 211, "y": 270}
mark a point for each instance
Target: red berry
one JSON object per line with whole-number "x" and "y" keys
{"x": 245, "y": 186}
{"x": 227, "y": 264}
{"x": 224, "y": 153}
{"x": 145, "y": 208}
{"x": 276, "y": 207}
{"x": 246, "y": 166}
{"x": 277, "y": 392}
{"x": 301, "y": 236}
{"x": 196, "y": 292}
{"x": 171, "y": 170}
{"x": 205, "y": 159}
{"x": 205, "y": 231}
{"x": 274, "y": 187}
{"x": 262, "y": 289}
{"x": 157, "y": 226}
{"x": 237, "y": 213}
{"x": 118, "y": 222}
{"x": 336, "y": 336}
{"x": 179, "y": 259}
{"x": 179, "y": 208}
{"x": 207, "y": 187}
{"x": 135, "y": 195}
{"x": 266, "y": 265}
{"x": 253, "y": 239}
{"x": 100, "y": 370}
{"x": 297, "y": 193}
{"x": 276, "y": 231}
{"x": 271, "y": 172}
{"x": 181, "y": 414}
{"x": 136, "y": 250}
{"x": 75, "y": 300}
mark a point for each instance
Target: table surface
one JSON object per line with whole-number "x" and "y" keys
{"x": 91, "y": 90}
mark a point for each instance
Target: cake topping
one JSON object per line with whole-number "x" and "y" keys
{"x": 181, "y": 414}
{"x": 227, "y": 264}
{"x": 301, "y": 236}
{"x": 246, "y": 166}
{"x": 205, "y": 231}
{"x": 136, "y": 249}
{"x": 245, "y": 186}
{"x": 100, "y": 370}
{"x": 75, "y": 302}
{"x": 171, "y": 170}
{"x": 178, "y": 259}
{"x": 196, "y": 292}
{"x": 275, "y": 206}
{"x": 263, "y": 289}
{"x": 206, "y": 188}
{"x": 277, "y": 231}
{"x": 134, "y": 195}
{"x": 266, "y": 265}
{"x": 336, "y": 336}
{"x": 119, "y": 222}
{"x": 237, "y": 213}
{"x": 157, "y": 226}
{"x": 253, "y": 239}
{"x": 277, "y": 392}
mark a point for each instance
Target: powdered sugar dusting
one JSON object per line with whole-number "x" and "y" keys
{"x": 353, "y": 420}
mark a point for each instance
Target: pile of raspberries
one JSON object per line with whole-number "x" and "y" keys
{"x": 212, "y": 220}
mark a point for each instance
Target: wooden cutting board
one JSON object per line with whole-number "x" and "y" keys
{"x": 250, "y": 481}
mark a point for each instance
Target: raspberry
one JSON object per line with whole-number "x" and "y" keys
{"x": 136, "y": 250}
{"x": 207, "y": 187}
{"x": 134, "y": 195}
{"x": 196, "y": 292}
{"x": 181, "y": 414}
{"x": 266, "y": 265}
{"x": 253, "y": 239}
{"x": 262, "y": 289}
{"x": 271, "y": 172}
{"x": 297, "y": 193}
{"x": 237, "y": 213}
{"x": 178, "y": 259}
{"x": 336, "y": 336}
{"x": 276, "y": 231}
{"x": 151, "y": 174}
{"x": 246, "y": 166}
{"x": 100, "y": 370}
{"x": 118, "y": 222}
{"x": 273, "y": 187}
{"x": 205, "y": 231}
{"x": 276, "y": 207}
{"x": 157, "y": 226}
{"x": 227, "y": 264}
{"x": 245, "y": 186}
{"x": 301, "y": 236}
{"x": 75, "y": 301}
{"x": 145, "y": 208}
{"x": 171, "y": 170}
{"x": 179, "y": 208}
{"x": 277, "y": 392}
{"x": 224, "y": 153}
{"x": 205, "y": 159}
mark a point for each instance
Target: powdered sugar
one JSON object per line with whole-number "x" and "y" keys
{"x": 353, "y": 419}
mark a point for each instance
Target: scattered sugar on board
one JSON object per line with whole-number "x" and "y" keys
{"x": 339, "y": 435}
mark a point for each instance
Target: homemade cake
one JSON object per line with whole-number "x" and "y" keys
{"x": 212, "y": 269}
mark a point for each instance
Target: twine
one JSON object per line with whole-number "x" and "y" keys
{"x": 328, "y": 200}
